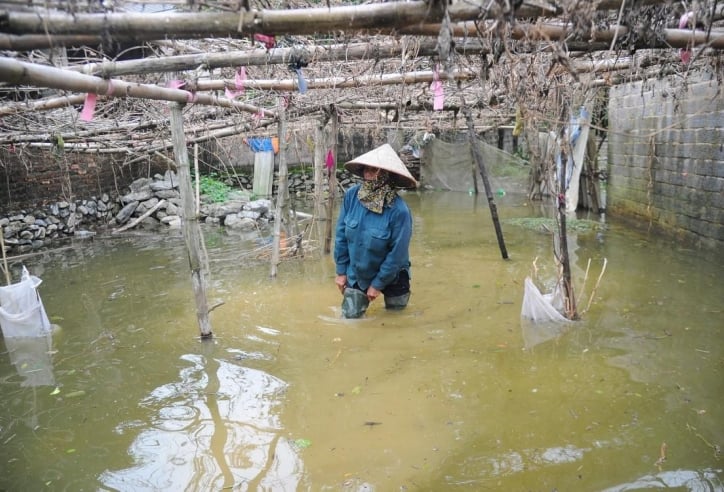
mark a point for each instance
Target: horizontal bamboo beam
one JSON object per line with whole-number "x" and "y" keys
{"x": 392, "y": 106}
{"x": 112, "y": 130}
{"x": 260, "y": 56}
{"x": 539, "y": 32}
{"x": 41, "y": 104}
{"x": 335, "y": 82}
{"x": 385, "y": 17}
{"x": 16, "y": 72}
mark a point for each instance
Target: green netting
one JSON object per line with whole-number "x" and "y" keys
{"x": 450, "y": 166}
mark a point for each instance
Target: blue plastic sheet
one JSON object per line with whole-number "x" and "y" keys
{"x": 260, "y": 144}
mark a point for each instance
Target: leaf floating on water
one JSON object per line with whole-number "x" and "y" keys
{"x": 55, "y": 391}
{"x": 356, "y": 390}
{"x": 75, "y": 394}
{"x": 302, "y": 443}
{"x": 70, "y": 451}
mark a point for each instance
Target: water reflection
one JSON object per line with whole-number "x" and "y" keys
{"x": 215, "y": 428}
{"x": 31, "y": 357}
{"x": 441, "y": 396}
{"x": 691, "y": 480}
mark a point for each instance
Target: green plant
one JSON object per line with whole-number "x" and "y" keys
{"x": 215, "y": 190}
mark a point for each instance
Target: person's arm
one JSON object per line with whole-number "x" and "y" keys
{"x": 398, "y": 255}
{"x": 341, "y": 249}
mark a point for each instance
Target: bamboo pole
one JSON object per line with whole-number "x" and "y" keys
{"x": 280, "y": 216}
{"x": 5, "y": 258}
{"x": 333, "y": 128}
{"x": 191, "y": 229}
{"x": 486, "y": 183}
{"x": 143, "y": 26}
{"x": 197, "y": 201}
{"x": 16, "y": 72}
{"x": 42, "y": 104}
{"x": 28, "y": 42}
{"x": 418, "y": 77}
{"x": 276, "y": 56}
{"x": 319, "y": 162}
{"x": 381, "y": 17}
{"x": 409, "y": 18}
{"x": 563, "y": 257}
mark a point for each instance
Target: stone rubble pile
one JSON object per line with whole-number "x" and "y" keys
{"x": 27, "y": 230}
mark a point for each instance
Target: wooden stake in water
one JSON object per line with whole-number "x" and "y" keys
{"x": 332, "y": 185}
{"x": 282, "y": 210}
{"x": 191, "y": 229}
{"x": 5, "y": 258}
{"x": 483, "y": 174}
{"x": 571, "y": 311}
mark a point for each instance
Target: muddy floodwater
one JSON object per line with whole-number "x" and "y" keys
{"x": 453, "y": 393}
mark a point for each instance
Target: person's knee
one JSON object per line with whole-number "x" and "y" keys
{"x": 397, "y": 302}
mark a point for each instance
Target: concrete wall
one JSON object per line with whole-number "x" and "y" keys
{"x": 666, "y": 156}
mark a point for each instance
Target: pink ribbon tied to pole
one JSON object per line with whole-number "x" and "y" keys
{"x": 89, "y": 107}
{"x": 330, "y": 161}
{"x": 268, "y": 41}
{"x": 685, "y": 54}
{"x": 438, "y": 94}
{"x": 239, "y": 80}
{"x": 175, "y": 84}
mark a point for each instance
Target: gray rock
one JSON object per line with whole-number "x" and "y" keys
{"x": 234, "y": 222}
{"x": 221, "y": 210}
{"x": 173, "y": 221}
{"x": 137, "y": 196}
{"x": 126, "y": 212}
{"x": 171, "y": 209}
{"x": 162, "y": 186}
{"x": 140, "y": 184}
{"x": 249, "y": 214}
{"x": 166, "y": 194}
{"x": 146, "y": 206}
{"x": 262, "y": 206}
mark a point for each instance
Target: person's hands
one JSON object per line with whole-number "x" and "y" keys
{"x": 372, "y": 293}
{"x": 341, "y": 281}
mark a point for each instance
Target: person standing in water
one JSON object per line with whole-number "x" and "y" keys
{"x": 372, "y": 238}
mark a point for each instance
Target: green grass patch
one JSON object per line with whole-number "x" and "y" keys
{"x": 214, "y": 189}
{"x": 547, "y": 224}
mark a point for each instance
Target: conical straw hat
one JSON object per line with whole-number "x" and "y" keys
{"x": 383, "y": 157}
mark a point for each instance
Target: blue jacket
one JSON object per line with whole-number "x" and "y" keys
{"x": 370, "y": 248}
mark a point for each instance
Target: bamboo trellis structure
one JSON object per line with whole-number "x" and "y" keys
{"x": 492, "y": 56}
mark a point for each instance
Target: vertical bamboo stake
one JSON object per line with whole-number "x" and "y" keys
{"x": 198, "y": 180}
{"x": 282, "y": 190}
{"x": 570, "y": 300}
{"x": 332, "y": 184}
{"x": 319, "y": 162}
{"x": 5, "y": 258}
{"x": 483, "y": 174}
{"x": 571, "y": 311}
{"x": 191, "y": 229}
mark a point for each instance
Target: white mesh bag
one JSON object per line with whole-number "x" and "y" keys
{"x": 21, "y": 310}
{"x": 540, "y": 317}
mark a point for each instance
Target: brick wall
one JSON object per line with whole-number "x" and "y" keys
{"x": 30, "y": 177}
{"x": 666, "y": 156}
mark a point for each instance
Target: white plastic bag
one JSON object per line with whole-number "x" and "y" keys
{"x": 21, "y": 310}
{"x": 540, "y": 317}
